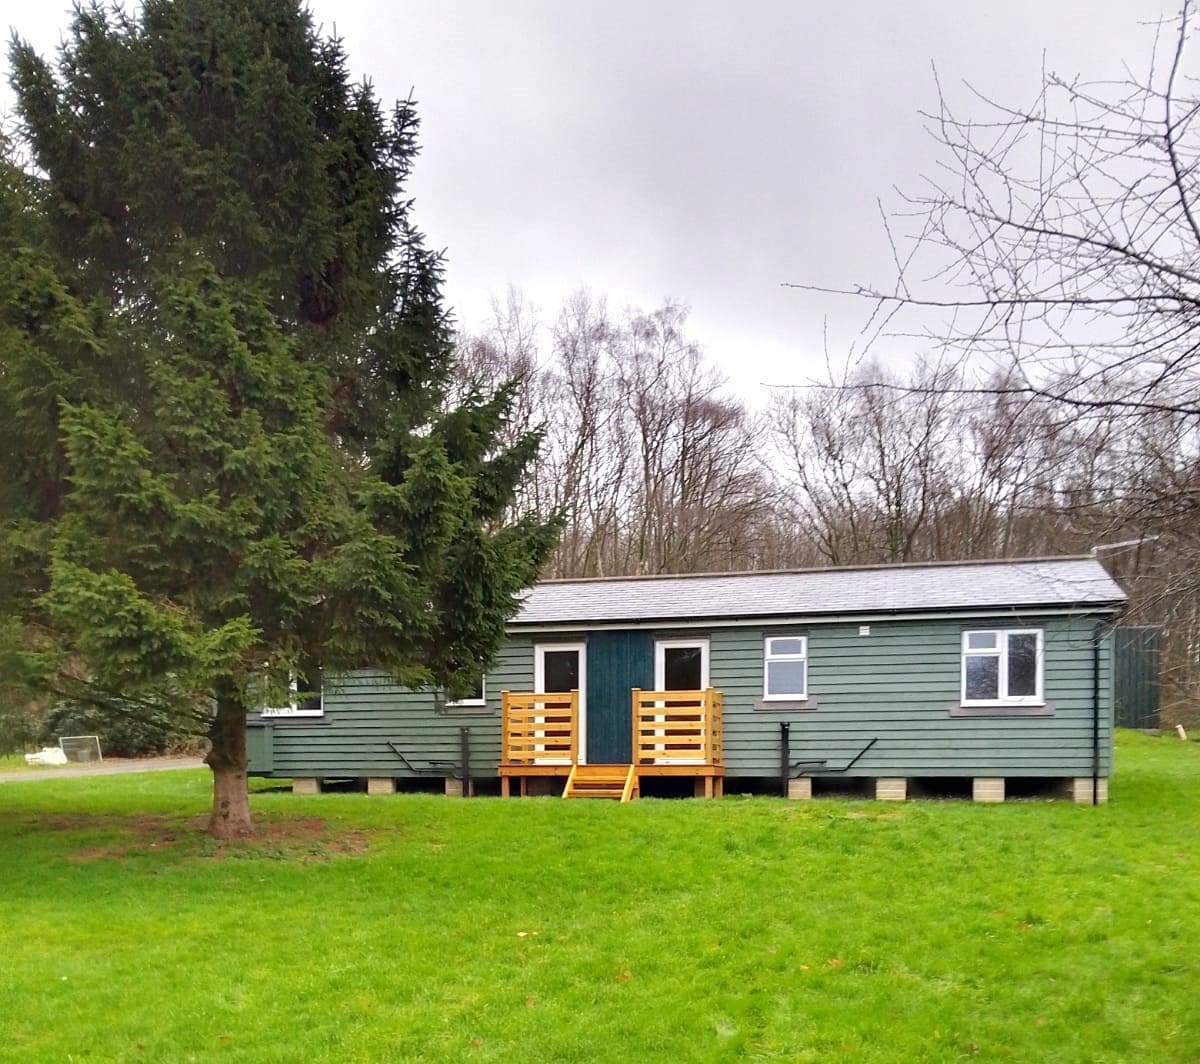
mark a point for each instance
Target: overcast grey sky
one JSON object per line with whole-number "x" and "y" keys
{"x": 703, "y": 151}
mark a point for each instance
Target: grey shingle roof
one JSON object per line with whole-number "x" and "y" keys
{"x": 871, "y": 589}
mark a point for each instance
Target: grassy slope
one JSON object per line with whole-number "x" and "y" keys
{"x": 542, "y": 930}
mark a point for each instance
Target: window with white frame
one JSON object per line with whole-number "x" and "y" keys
{"x": 1002, "y": 667}
{"x": 472, "y": 695}
{"x": 785, "y": 667}
{"x": 304, "y": 697}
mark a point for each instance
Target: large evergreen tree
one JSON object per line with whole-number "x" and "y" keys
{"x": 224, "y": 362}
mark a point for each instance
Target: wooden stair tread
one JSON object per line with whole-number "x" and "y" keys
{"x": 617, "y": 782}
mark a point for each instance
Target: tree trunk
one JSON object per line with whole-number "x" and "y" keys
{"x": 227, "y": 758}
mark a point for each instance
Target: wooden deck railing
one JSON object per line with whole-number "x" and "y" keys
{"x": 677, "y": 727}
{"x": 539, "y": 729}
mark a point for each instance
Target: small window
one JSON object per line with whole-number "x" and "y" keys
{"x": 305, "y": 698}
{"x": 785, "y": 667}
{"x": 475, "y": 695}
{"x": 1002, "y": 667}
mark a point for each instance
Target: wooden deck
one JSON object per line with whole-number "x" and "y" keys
{"x": 539, "y": 736}
{"x": 679, "y": 733}
{"x": 675, "y": 733}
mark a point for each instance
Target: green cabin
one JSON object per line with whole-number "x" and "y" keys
{"x": 994, "y": 677}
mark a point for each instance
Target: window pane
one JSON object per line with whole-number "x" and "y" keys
{"x": 681, "y": 668}
{"x": 785, "y": 646}
{"x": 785, "y": 678}
{"x": 308, "y": 685}
{"x": 469, "y": 693}
{"x": 560, "y": 670}
{"x": 981, "y": 640}
{"x": 1022, "y": 664}
{"x": 983, "y": 677}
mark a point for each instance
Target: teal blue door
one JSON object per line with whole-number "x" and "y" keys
{"x": 617, "y": 662}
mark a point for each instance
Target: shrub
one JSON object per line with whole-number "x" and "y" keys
{"x": 124, "y": 731}
{"x": 20, "y": 722}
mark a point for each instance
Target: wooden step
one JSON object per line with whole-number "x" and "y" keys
{"x": 616, "y": 782}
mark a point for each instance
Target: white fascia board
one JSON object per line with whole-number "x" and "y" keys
{"x": 988, "y": 613}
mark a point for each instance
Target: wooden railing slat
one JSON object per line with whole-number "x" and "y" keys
{"x": 677, "y": 725}
{"x": 538, "y": 727}
{"x": 666, "y": 725}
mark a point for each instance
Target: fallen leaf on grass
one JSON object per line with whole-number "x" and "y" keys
{"x": 530, "y": 1002}
{"x": 624, "y": 976}
{"x": 834, "y": 962}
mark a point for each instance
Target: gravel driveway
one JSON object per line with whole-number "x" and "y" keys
{"x": 114, "y": 767}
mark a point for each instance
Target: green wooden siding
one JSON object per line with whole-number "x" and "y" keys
{"x": 896, "y": 684}
{"x": 1136, "y": 668}
{"x": 617, "y": 662}
{"x": 260, "y": 748}
{"x": 365, "y": 712}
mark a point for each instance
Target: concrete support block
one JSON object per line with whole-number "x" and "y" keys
{"x": 1080, "y": 790}
{"x": 988, "y": 789}
{"x": 454, "y": 787}
{"x": 891, "y": 789}
{"x": 800, "y": 787}
{"x": 381, "y": 786}
{"x": 306, "y": 785}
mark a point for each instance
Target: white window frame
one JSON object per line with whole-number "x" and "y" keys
{"x": 661, "y": 646}
{"x": 768, "y": 657}
{"x": 464, "y": 702}
{"x": 1000, "y": 652}
{"x": 539, "y": 687}
{"x": 292, "y": 709}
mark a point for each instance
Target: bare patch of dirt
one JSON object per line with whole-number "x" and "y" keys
{"x": 282, "y": 838}
{"x": 304, "y": 838}
{"x": 145, "y": 822}
{"x": 94, "y": 853}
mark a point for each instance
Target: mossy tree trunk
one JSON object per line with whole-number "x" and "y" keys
{"x": 230, "y": 817}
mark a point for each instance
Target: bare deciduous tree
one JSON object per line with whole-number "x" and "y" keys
{"x": 1058, "y": 244}
{"x": 654, "y": 463}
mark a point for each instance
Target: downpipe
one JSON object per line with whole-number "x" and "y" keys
{"x": 1097, "y": 635}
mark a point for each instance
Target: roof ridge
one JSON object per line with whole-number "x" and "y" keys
{"x": 877, "y": 566}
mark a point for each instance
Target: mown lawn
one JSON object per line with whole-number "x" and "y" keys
{"x": 423, "y": 928}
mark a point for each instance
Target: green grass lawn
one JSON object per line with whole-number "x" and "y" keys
{"x": 424, "y": 928}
